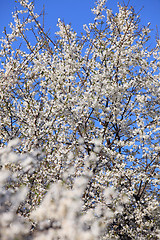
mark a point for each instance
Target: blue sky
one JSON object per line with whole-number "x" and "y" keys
{"x": 77, "y": 12}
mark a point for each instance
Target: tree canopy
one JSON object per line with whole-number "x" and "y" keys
{"x": 79, "y": 128}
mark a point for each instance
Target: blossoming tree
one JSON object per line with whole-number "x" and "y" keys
{"x": 80, "y": 129}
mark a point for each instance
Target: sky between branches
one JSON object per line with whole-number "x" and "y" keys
{"x": 78, "y": 12}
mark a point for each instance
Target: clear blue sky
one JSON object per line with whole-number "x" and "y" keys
{"x": 77, "y": 12}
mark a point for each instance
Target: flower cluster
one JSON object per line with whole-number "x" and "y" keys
{"x": 80, "y": 129}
